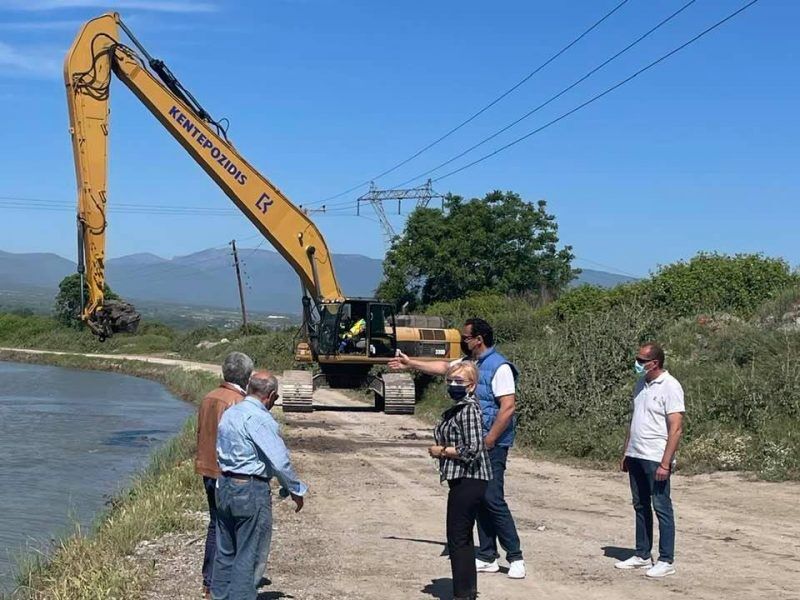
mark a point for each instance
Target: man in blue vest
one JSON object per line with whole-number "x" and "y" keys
{"x": 496, "y": 393}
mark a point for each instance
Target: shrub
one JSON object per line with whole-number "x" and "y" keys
{"x": 512, "y": 318}
{"x": 714, "y": 282}
{"x": 586, "y": 299}
{"x": 578, "y": 378}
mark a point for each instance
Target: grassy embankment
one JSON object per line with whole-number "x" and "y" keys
{"x": 731, "y": 330}
{"x": 270, "y": 349}
{"x": 98, "y": 565}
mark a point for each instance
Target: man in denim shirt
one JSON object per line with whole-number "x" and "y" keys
{"x": 250, "y": 452}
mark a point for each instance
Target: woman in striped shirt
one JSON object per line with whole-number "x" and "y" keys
{"x": 464, "y": 464}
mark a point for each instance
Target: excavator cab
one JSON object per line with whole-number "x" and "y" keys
{"x": 356, "y": 329}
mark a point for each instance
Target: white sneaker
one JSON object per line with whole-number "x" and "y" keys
{"x": 486, "y": 567}
{"x": 661, "y": 569}
{"x": 634, "y": 562}
{"x": 516, "y": 569}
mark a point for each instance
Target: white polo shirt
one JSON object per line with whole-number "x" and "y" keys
{"x": 652, "y": 402}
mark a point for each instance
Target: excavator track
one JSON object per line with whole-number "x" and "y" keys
{"x": 398, "y": 394}
{"x": 297, "y": 388}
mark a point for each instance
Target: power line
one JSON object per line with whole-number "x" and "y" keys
{"x": 176, "y": 268}
{"x": 598, "y": 96}
{"x": 34, "y": 204}
{"x": 172, "y": 266}
{"x": 15, "y": 202}
{"x": 604, "y": 266}
{"x": 556, "y": 96}
{"x": 482, "y": 109}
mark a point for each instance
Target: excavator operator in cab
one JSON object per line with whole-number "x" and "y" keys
{"x": 358, "y": 330}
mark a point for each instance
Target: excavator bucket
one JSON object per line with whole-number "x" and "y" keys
{"x": 113, "y": 317}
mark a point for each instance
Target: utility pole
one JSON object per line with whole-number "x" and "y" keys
{"x": 239, "y": 281}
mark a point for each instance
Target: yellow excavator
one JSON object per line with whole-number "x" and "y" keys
{"x": 346, "y": 337}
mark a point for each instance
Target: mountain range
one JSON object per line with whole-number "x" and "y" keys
{"x": 207, "y": 278}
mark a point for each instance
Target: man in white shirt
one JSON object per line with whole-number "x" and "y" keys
{"x": 653, "y": 437}
{"x": 496, "y": 393}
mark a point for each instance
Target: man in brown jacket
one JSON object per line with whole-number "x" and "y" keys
{"x": 236, "y": 370}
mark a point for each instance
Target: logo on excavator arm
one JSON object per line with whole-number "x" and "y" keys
{"x": 264, "y": 203}
{"x": 216, "y": 153}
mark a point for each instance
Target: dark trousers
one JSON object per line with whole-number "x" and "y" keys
{"x": 462, "y": 508}
{"x": 494, "y": 517}
{"x": 211, "y": 535}
{"x": 244, "y": 533}
{"x": 648, "y": 495}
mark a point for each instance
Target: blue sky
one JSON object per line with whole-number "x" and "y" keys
{"x": 699, "y": 153}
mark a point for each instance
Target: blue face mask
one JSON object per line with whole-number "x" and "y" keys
{"x": 639, "y": 369}
{"x": 457, "y": 392}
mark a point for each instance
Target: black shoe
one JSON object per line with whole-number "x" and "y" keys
{"x": 264, "y": 582}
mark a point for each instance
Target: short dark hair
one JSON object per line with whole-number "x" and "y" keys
{"x": 655, "y": 352}
{"x": 481, "y": 328}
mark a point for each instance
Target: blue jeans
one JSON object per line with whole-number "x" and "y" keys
{"x": 211, "y": 535}
{"x": 244, "y": 533}
{"x": 647, "y": 493}
{"x": 494, "y": 517}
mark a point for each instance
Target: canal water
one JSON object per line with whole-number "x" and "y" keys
{"x": 70, "y": 439}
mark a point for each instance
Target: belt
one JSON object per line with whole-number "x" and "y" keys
{"x": 243, "y": 476}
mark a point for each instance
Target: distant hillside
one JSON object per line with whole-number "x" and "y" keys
{"x": 205, "y": 278}
{"x": 601, "y": 278}
{"x": 37, "y": 269}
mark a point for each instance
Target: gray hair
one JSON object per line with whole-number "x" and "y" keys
{"x": 262, "y": 386}
{"x": 237, "y": 368}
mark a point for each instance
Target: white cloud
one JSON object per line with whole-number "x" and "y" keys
{"x": 34, "y": 62}
{"x": 175, "y": 6}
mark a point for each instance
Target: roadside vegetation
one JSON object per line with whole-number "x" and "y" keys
{"x": 731, "y": 330}
{"x": 270, "y": 349}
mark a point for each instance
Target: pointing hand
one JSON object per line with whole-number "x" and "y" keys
{"x": 400, "y": 362}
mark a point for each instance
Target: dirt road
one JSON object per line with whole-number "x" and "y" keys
{"x": 373, "y": 525}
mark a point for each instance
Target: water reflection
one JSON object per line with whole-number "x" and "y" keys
{"x": 69, "y": 439}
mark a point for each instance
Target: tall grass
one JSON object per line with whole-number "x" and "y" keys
{"x": 740, "y": 373}
{"x": 270, "y": 349}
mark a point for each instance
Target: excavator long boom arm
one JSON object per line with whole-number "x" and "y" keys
{"x": 95, "y": 55}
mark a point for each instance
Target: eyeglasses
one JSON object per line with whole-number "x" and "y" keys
{"x": 456, "y": 381}
{"x": 466, "y": 338}
{"x": 643, "y": 359}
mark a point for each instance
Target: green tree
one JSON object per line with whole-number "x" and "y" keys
{"x": 498, "y": 243}
{"x": 68, "y": 300}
